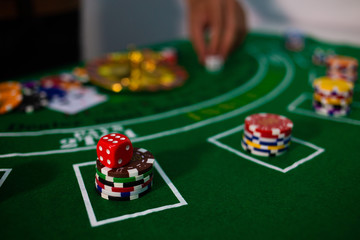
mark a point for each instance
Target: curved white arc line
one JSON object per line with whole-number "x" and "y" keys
{"x": 274, "y": 93}
{"x": 254, "y": 81}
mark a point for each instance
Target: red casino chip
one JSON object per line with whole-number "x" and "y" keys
{"x": 125, "y": 189}
{"x": 268, "y": 125}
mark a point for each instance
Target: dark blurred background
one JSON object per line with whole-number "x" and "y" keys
{"x": 36, "y": 35}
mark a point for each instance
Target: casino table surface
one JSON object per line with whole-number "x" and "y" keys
{"x": 205, "y": 185}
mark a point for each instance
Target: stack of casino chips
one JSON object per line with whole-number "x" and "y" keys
{"x": 332, "y": 97}
{"x": 10, "y": 96}
{"x": 294, "y": 40}
{"x": 123, "y": 173}
{"x": 342, "y": 67}
{"x": 266, "y": 134}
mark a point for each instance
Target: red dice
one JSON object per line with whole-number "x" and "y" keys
{"x": 114, "y": 150}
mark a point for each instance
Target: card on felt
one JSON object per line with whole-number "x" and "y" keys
{"x": 77, "y": 100}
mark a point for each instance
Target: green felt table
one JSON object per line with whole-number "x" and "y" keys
{"x": 205, "y": 185}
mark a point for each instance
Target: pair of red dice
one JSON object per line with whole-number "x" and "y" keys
{"x": 114, "y": 150}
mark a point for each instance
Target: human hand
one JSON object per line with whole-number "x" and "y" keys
{"x": 224, "y": 20}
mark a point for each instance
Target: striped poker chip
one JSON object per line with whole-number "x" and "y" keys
{"x": 263, "y": 150}
{"x": 332, "y": 100}
{"x": 125, "y": 184}
{"x": 338, "y": 61}
{"x": 122, "y": 194}
{"x": 334, "y": 93}
{"x": 327, "y": 85}
{"x": 123, "y": 180}
{"x": 133, "y": 197}
{"x": 266, "y": 141}
{"x": 268, "y": 124}
{"x": 260, "y": 153}
{"x": 265, "y": 147}
{"x": 142, "y": 161}
{"x": 330, "y": 107}
{"x": 267, "y": 135}
{"x": 326, "y": 112}
{"x": 123, "y": 189}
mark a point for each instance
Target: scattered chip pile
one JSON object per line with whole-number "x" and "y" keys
{"x": 36, "y": 94}
{"x": 332, "y": 97}
{"x": 138, "y": 70}
{"x": 266, "y": 134}
{"x": 342, "y": 67}
{"x": 123, "y": 173}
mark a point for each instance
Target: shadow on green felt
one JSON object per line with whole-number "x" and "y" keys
{"x": 295, "y": 152}
{"x": 26, "y": 179}
{"x": 160, "y": 195}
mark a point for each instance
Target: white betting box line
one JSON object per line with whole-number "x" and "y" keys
{"x": 6, "y": 174}
{"x": 90, "y": 210}
{"x": 215, "y": 140}
{"x": 293, "y": 107}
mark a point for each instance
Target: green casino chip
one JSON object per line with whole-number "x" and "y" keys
{"x": 123, "y": 180}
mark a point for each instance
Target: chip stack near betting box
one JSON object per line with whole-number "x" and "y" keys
{"x": 266, "y": 134}
{"x": 123, "y": 173}
{"x": 332, "y": 97}
{"x": 342, "y": 67}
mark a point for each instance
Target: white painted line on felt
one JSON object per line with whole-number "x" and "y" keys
{"x": 84, "y": 194}
{"x": 254, "y": 81}
{"x": 301, "y": 161}
{"x": 293, "y": 107}
{"x": 214, "y": 140}
{"x": 311, "y": 76}
{"x": 301, "y": 61}
{"x": 138, "y": 214}
{"x": 6, "y": 174}
{"x": 274, "y": 93}
{"x": 90, "y": 210}
{"x": 296, "y": 102}
{"x": 40, "y": 153}
{"x": 237, "y": 152}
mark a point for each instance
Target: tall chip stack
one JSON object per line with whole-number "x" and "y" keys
{"x": 332, "y": 97}
{"x": 123, "y": 173}
{"x": 266, "y": 134}
{"x": 342, "y": 67}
